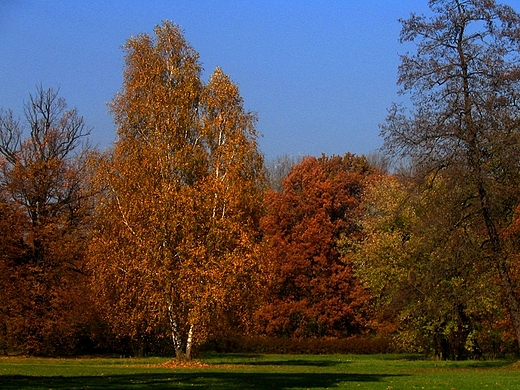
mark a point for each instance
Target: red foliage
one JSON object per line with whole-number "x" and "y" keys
{"x": 314, "y": 291}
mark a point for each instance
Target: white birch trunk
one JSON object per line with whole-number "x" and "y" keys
{"x": 175, "y": 333}
{"x": 189, "y": 343}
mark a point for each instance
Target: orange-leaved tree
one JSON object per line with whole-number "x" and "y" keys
{"x": 45, "y": 203}
{"x": 174, "y": 245}
{"x": 314, "y": 291}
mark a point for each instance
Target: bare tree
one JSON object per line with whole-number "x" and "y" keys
{"x": 464, "y": 127}
{"x": 279, "y": 168}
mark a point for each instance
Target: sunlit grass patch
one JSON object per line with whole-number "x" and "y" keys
{"x": 252, "y": 371}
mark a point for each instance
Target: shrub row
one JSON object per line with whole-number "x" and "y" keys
{"x": 261, "y": 344}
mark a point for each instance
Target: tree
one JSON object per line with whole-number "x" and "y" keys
{"x": 313, "y": 291}
{"x": 175, "y": 239}
{"x": 11, "y": 250}
{"x": 463, "y": 128}
{"x": 44, "y": 199}
{"x": 419, "y": 266}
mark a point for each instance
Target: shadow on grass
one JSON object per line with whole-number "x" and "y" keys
{"x": 199, "y": 380}
{"x": 294, "y": 362}
{"x": 406, "y": 357}
{"x": 244, "y": 359}
{"x": 490, "y": 364}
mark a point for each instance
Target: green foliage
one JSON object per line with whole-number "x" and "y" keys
{"x": 460, "y": 136}
{"x": 432, "y": 285}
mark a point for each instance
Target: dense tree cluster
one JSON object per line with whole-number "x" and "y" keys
{"x": 462, "y": 133}
{"x": 180, "y": 233}
{"x": 314, "y": 291}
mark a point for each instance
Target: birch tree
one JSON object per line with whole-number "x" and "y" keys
{"x": 174, "y": 245}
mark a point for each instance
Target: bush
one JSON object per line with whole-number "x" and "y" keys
{"x": 263, "y": 344}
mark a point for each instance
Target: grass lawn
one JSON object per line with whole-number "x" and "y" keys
{"x": 246, "y": 371}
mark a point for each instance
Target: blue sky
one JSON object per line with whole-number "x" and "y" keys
{"x": 319, "y": 74}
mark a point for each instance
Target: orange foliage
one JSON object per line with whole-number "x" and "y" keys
{"x": 174, "y": 247}
{"x": 313, "y": 290}
{"x": 44, "y": 206}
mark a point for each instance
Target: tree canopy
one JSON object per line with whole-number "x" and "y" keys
{"x": 180, "y": 234}
{"x": 313, "y": 290}
{"x": 45, "y": 204}
{"x": 175, "y": 239}
{"x": 463, "y": 129}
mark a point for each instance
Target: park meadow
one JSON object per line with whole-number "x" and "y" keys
{"x": 259, "y": 371}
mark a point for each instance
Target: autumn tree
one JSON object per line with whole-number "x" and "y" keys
{"x": 418, "y": 264}
{"x": 463, "y": 83}
{"x": 11, "y": 249}
{"x": 313, "y": 291}
{"x": 44, "y": 200}
{"x": 175, "y": 239}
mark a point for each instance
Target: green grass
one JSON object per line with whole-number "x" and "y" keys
{"x": 249, "y": 371}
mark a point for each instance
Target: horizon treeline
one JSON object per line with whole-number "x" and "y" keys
{"x": 181, "y": 237}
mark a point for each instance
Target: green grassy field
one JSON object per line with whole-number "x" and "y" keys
{"x": 245, "y": 371}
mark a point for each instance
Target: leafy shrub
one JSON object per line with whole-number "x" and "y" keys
{"x": 263, "y": 344}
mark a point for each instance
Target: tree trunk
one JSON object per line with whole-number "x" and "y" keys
{"x": 175, "y": 333}
{"x": 189, "y": 343}
{"x": 139, "y": 347}
{"x": 511, "y": 300}
{"x": 3, "y": 337}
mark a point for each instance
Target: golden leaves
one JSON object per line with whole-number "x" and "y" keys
{"x": 181, "y": 185}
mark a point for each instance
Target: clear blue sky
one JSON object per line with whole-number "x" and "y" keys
{"x": 319, "y": 74}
